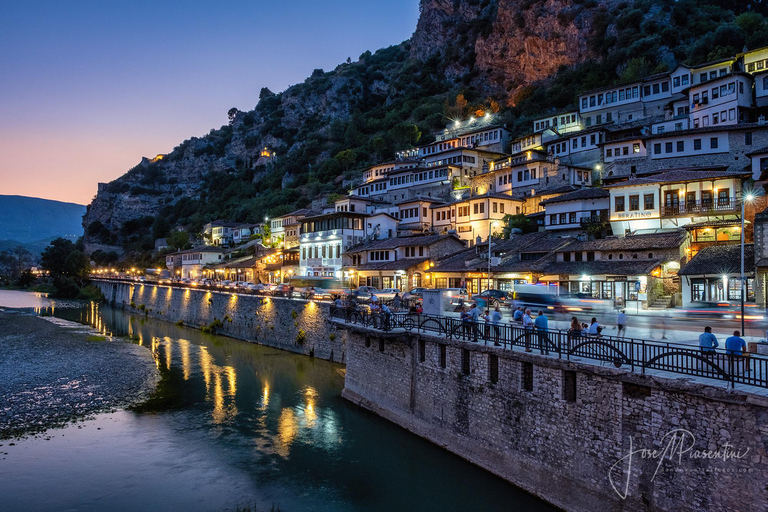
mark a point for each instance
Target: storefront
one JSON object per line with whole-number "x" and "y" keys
{"x": 713, "y": 275}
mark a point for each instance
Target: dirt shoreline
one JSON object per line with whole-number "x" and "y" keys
{"x": 51, "y": 375}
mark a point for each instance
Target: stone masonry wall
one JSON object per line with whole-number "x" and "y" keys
{"x": 275, "y": 322}
{"x": 563, "y": 450}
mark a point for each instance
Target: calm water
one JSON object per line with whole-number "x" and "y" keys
{"x": 237, "y": 424}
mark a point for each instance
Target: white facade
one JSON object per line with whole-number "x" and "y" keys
{"x": 710, "y": 71}
{"x": 623, "y": 150}
{"x": 193, "y": 261}
{"x": 564, "y": 122}
{"x": 472, "y": 217}
{"x": 720, "y": 101}
{"x": 570, "y": 214}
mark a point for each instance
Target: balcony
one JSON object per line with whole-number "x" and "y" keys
{"x": 701, "y": 208}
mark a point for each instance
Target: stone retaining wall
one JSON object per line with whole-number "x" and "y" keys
{"x": 517, "y": 415}
{"x": 295, "y": 325}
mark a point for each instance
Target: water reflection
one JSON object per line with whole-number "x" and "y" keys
{"x": 275, "y": 417}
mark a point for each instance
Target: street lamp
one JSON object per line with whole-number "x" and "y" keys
{"x": 491, "y": 225}
{"x": 746, "y": 197}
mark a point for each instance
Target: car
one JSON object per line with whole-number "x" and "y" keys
{"x": 721, "y": 309}
{"x": 387, "y": 293}
{"x": 457, "y": 296}
{"x": 494, "y": 298}
{"x": 414, "y": 294}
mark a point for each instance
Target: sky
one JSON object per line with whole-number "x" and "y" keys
{"x": 89, "y": 87}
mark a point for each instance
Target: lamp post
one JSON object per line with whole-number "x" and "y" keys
{"x": 746, "y": 197}
{"x": 491, "y": 224}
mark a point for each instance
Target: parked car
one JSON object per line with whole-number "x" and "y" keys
{"x": 494, "y": 298}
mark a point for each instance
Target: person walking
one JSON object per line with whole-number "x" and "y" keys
{"x": 594, "y": 327}
{"x": 528, "y": 326}
{"x": 542, "y": 327}
{"x": 621, "y": 324}
{"x": 496, "y": 321}
{"x": 708, "y": 342}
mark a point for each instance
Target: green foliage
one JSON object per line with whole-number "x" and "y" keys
{"x": 178, "y": 240}
{"x": 520, "y": 221}
{"x": 301, "y": 337}
{"x": 62, "y": 257}
{"x": 13, "y": 263}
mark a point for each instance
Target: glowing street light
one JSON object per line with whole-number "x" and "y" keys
{"x": 747, "y": 196}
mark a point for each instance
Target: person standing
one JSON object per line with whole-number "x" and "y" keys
{"x": 542, "y": 326}
{"x": 621, "y": 324}
{"x": 496, "y": 321}
{"x": 528, "y": 326}
{"x": 396, "y": 301}
{"x": 707, "y": 341}
{"x": 475, "y": 313}
{"x": 387, "y": 314}
{"x": 466, "y": 322}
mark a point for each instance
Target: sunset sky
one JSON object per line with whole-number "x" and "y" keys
{"x": 89, "y": 87}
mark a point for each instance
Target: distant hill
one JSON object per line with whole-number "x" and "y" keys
{"x": 30, "y": 219}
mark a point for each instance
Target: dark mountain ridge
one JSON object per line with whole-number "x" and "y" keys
{"x": 31, "y": 219}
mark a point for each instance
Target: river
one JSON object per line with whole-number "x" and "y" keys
{"x": 234, "y": 424}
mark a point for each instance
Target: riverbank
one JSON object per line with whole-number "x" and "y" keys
{"x": 52, "y": 374}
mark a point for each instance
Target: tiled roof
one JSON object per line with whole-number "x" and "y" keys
{"x": 599, "y": 267}
{"x": 719, "y": 260}
{"x": 406, "y": 241}
{"x": 578, "y": 195}
{"x": 668, "y": 240}
{"x": 552, "y": 191}
{"x": 401, "y": 264}
{"x": 679, "y": 177}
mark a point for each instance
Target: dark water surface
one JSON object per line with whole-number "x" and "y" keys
{"x": 237, "y": 424}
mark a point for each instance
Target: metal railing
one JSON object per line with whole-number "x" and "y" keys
{"x": 707, "y": 207}
{"x": 638, "y": 355}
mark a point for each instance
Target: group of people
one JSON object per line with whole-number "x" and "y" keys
{"x": 734, "y": 345}
{"x": 493, "y": 321}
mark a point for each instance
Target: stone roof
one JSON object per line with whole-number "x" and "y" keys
{"x": 406, "y": 241}
{"x": 578, "y": 195}
{"x": 670, "y": 240}
{"x": 719, "y": 260}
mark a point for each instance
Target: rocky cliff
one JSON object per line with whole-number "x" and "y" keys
{"x": 524, "y": 55}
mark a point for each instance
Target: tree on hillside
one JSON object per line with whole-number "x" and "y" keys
{"x": 14, "y": 261}
{"x": 178, "y": 240}
{"x": 62, "y": 257}
{"x": 346, "y": 158}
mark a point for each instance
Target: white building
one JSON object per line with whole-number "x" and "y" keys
{"x": 575, "y": 210}
{"x": 324, "y": 238}
{"x": 194, "y": 260}
{"x": 723, "y": 100}
{"x": 475, "y": 216}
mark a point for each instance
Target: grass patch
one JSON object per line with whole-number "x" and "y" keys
{"x": 93, "y": 337}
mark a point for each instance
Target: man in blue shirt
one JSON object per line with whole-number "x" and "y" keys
{"x": 735, "y": 345}
{"x": 517, "y": 316}
{"x": 707, "y": 341}
{"x": 542, "y": 325}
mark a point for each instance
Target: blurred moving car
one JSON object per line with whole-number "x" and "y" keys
{"x": 494, "y": 298}
{"x": 721, "y": 309}
{"x": 386, "y": 294}
{"x": 415, "y": 294}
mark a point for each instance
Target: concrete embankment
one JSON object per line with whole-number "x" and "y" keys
{"x": 50, "y": 375}
{"x": 565, "y": 431}
{"x": 296, "y": 325}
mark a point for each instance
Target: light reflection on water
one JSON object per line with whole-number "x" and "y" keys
{"x": 265, "y": 426}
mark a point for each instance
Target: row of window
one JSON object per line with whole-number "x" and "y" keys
{"x": 680, "y": 81}
{"x": 717, "y": 92}
{"x": 717, "y": 118}
{"x": 679, "y": 146}
{"x": 543, "y": 125}
{"x": 649, "y": 201}
{"x": 594, "y": 139}
{"x": 453, "y": 160}
{"x": 410, "y": 252}
{"x": 321, "y": 251}
{"x": 378, "y": 255}
{"x": 596, "y": 100}
{"x": 757, "y": 65}
{"x": 663, "y": 129}
{"x": 333, "y": 223}
{"x": 590, "y": 256}
{"x": 624, "y": 150}
{"x": 703, "y": 77}
{"x": 409, "y": 213}
{"x": 657, "y": 88}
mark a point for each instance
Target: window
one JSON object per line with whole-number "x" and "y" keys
{"x": 748, "y": 138}
{"x": 696, "y": 144}
{"x": 634, "y": 203}
{"x": 723, "y": 197}
{"x": 609, "y": 153}
{"x": 563, "y": 218}
{"x": 569, "y": 386}
{"x": 680, "y": 146}
{"x": 572, "y": 218}
{"x": 619, "y": 203}
{"x": 659, "y": 129}
{"x": 657, "y": 148}
{"x": 648, "y": 201}
{"x": 668, "y": 147}
{"x": 676, "y": 82}
{"x": 501, "y": 207}
{"x": 713, "y": 143}
{"x": 553, "y": 220}
{"x": 526, "y": 376}
{"x": 636, "y": 147}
